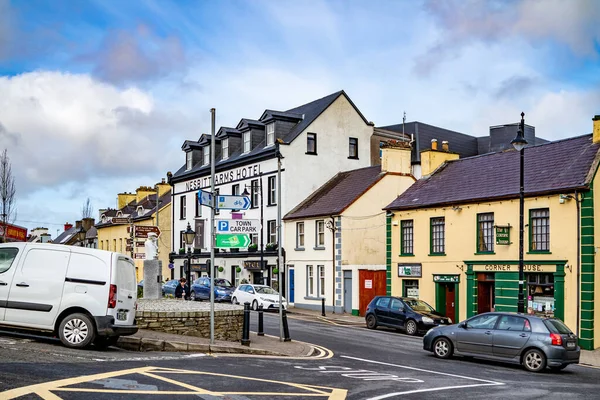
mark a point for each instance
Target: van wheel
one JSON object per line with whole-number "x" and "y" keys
{"x": 103, "y": 342}
{"x": 76, "y": 331}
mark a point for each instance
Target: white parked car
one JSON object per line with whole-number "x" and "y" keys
{"x": 82, "y": 295}
{"x": 257, "y": 295}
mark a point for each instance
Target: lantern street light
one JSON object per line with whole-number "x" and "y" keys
{"x": 519, "y": 144}
{"x": 188, "y": 236}
{"x": 81, "y": 236}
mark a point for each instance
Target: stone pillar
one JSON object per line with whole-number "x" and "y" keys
{"x": 152, "y": 279}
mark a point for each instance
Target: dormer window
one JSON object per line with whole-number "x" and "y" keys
{"x": 206, "y": 155}
{"x": 188, "y": 160}
{"x": 271, "y": 134}
{"x": 119, "y": 214}
{"x": 225, "y": 148}
{"x": 247, "y": 138}
{"x": 140, "y": 210}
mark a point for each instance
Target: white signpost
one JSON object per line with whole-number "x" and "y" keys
{"x": 233, "y": 202}
{"x": 245, "y": 226}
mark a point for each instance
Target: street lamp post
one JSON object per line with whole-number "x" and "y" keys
{"x": 81, "y": 236}
{"x": 519, "y": 144}
{"x": 188, "y": 236}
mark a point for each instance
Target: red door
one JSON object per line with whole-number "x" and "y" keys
{"x": 450, "y": 306}
{"x": 371, "y": 284}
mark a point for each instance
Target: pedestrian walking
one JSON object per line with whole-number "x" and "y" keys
{"x": 182, "y": 291}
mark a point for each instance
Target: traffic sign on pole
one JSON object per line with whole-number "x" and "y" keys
{"x": 143, "y": 231}
{"x": 205, "y": 198}
{"x": 120, "y": 220}
{"x": 232, "y": 241}
{"x": 233, "y": 226}
{"x": 233, "y": 202}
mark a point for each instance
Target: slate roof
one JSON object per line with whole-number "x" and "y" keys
{"x": 130, "y": 210}
{"x": 552, "y": 167}
{"x": 310, "y": 111}
{"x": 338, "y": 193}
{"x": 66, "y": 236}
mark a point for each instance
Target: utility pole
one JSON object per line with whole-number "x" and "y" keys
{"x": 212, "y": 226}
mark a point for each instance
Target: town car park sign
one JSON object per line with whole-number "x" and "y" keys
{"x": 235, "y": 226}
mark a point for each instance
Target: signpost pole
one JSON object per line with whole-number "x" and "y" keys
{"x": 212, "y": 227}
{"x": 280, "y": 267}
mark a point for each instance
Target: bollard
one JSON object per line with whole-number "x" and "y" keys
{"x": 323, "y": 307}
{"x": 286, "y": 331}
{"x": 260, "y": 321}
{"x": 246, "y": 326}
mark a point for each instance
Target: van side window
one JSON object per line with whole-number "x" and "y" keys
{"x": 86, "y": 266}
{"x": 126, "y": 274}
{"x": 7, "y": 256}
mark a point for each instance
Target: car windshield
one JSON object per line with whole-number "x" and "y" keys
{"x": 223, "y": 283}
{"x": 556, "y": 326}
{"x": 419, "y": 305}
{"x": 264, "y": 290}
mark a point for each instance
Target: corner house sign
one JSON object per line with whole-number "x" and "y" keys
{"x": 412, "y": 270}
{"x": 446, "y": 278}
{"x": 502, "y": 235}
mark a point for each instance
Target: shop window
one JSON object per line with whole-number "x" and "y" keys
{"x": 539, "y": 231}
{"x": 540, "y": 294}
{"x": 485, "y": 233}
{"x": 438, "y": 238}
{"x": 410, "y": 288}
{"x": 406, "y": 237}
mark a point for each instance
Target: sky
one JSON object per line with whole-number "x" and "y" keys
{"x": 97, "y": 96}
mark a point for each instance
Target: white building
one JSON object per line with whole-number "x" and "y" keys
{"x": 318, "y": 139}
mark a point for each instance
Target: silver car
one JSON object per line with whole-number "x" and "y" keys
{"x": 535, "y": 342}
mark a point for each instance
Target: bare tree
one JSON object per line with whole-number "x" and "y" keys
{"x": 8, "y": 213}
{"x": 86, "y": 209}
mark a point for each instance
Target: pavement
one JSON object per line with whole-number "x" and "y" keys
{"x": 588, "y": 358}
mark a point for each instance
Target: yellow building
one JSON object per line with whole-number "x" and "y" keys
{"x": 453, "y": 237}
{"x": 133, "y": 210}
{"x": 335, "y": 239}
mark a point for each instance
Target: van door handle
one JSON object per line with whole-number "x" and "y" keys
{"x": 3, "y": 283}
{"x": 130, "y": 297}
{"x": 488, "y": 333}
{"x": 22, "y": 284}
{"x": 523, "y": 335}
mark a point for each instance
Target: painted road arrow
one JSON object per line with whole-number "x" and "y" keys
{"x": 232, "y": 241}
{"x": 233, "y": 202}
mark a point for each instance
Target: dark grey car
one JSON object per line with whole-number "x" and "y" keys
{"x": 535, "y": 342}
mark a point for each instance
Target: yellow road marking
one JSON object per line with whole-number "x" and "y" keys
{"x": 185, "y": 385}
{"x": 47, "y": 395}
{"x": 45, "y": 387}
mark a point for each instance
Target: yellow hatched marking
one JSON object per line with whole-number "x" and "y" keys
{"x": 47, "y": 395}
{"x": 185, "y": 385}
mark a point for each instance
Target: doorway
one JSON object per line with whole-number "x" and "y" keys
{"x": 485, "y": 293}
{"x": 292, "y": 292}
{"x": 447, "y": 299}
{"x": 257, "y": 277}
{"x": 348, "y": 292}
{"x": 370, "y": 284}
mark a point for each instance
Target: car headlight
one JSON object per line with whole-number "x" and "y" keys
{"x": 427, "y": 320}
{"x": 267, "y": 300}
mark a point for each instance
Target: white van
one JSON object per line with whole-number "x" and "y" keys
{"x": 82, "y": 295}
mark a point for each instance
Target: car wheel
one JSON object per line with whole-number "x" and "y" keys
{"x": 234, "y": 300}
{"x": 103, "y": 342}
{"x": 76, "y": 331}
{"x": 371, "y": 321}
{"x": 193, "y": 296}
{"x": 442, "y": 348}
{"x": 534, "y": 360}
{"x": 559, "y": 368}
{"x": 255, "y": 305}
{"x": 411, "y": 327}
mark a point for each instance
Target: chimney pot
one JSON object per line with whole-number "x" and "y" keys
{"x": 445, "y": 145}
{"x": 433, "y": 144}
{"x": 68, "y": 226}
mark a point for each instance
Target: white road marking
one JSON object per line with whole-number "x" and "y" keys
{"x": 424, "y": 370}
{"x": 386, "y": 396}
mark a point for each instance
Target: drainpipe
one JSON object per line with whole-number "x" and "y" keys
{"x": 578, "y": 262}
{"x": 333, "y": 229}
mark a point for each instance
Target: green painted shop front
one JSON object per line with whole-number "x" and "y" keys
{"x": 494, "y": 285}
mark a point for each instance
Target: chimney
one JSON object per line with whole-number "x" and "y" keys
{"x": 596, "y": 134}
{"x": 445, "y": 145}
{"x": 433, "y": 144}
{"x": 78, "y": 224}
{"x": 395, "y": 157}
{"x": 87, "y": 223}
{"x": 68, "y": 226}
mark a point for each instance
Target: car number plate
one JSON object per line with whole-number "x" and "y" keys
{"x": 571, "y": 344}
{"x": 122, "y": 315}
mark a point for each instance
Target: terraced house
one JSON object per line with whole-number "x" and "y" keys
{"x": 453, "y": 237}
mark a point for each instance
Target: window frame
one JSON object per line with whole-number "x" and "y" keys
{"x": 254, "y": 188}
{"x": 225, "y": 149}
{"x": 311, "y": 137}
{"x": 272, "y": 231}
{"x": 482, "y": 226}
{"x": 350, "y": 145}
{"x": 205, "y": 155}
{"x": 182, "y": 207}
{"x": 189, "y": 160}
{"x": 247, "y": 142}
{"x": 272, "y": 190}
{"x": 403, "y": 240}
{"x": 235, "y": 189}
{"x": 310, "y": 287}
{"x": 300, "y": 235}
{"x": 198, "y": 207}
{"x": 533, "y": 227}
{"x": 318, "y": 244}
{"x": 441, "y": 246}
{"x": 270, "y": 134}
{"x": 321, "y": 280}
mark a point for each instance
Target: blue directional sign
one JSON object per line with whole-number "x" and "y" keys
{"x": 233, "y": 202}
{"x": 205, "y": 198}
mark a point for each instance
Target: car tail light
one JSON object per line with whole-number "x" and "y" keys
{"x": 112, "y": 296}
{"x": 556, "y": 339}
